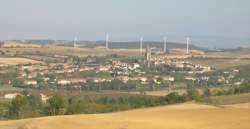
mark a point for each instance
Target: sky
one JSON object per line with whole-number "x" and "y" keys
{"x": 209, "y": 23}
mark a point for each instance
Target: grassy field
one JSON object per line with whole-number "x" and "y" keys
{"x": 237, "y": 53}
{"x": 230, "y": 99}
{"x": 69, "y": 51}
{"x": 160, "y": 92}
{"x": 15, "y": 61}
{"x": 182, "y": 116}
{"x": 220, "y": 63}
{"x": 16, "y": 44}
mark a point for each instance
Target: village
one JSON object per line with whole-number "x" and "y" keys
{"x": 142, "y": 74}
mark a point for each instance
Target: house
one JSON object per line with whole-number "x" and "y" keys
{"x": 46, "y": 78}
{"x": 44, "y": 97}
{"x": 63, "y": 82}
{"x": 11, "y": 95}
{"x": 168, "y": 78}
{"x": 190, "y": 78}
{"x": 71, "y": 81}
{"x": 237, "y": 83}
{"x": 30, "y": 82}
{"x": 103, "y": 68}
{"x": 86, "y": 69}
{"x": 143, "y": 80}
{"x": 26, "y": 67}
{"x": 135, "y": 66}
{"x": 123, "y": 78}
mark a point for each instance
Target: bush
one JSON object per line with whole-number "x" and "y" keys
{"x": 174, "y": 98}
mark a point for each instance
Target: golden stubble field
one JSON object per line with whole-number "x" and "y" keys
{"x": 182, "y": 116}
{"x": 17, "y": 60}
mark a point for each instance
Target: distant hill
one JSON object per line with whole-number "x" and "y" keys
{"x": 134, "y": 44}
{"x": 131, "y": 44}
{"x": 127, "y": 45}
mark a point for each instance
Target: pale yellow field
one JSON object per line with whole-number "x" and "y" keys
{"x": 242, "y": 105}
{"x": 22, "y": 45}
{"x": 183, "y": 116}
{"x": 15, "y": 61}
{"x": 160, "y": 92}
{"x": 82, "y": 52}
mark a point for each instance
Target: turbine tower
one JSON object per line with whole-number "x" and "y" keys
{"x": 165, "y": 44}
{"x": 107, "y": 41}
{"x": 188, "y": 45}
{"x": 141, "y": 42}
{"x": 75, "y": 40}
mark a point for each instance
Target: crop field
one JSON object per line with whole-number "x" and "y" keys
{"x": 15, "y": 61}
{"x": 180, "y": 116}
{"x": 220, "y": 63}
{"x": 160, "y": 92}
{"x": 69, "y": 51}
{"x": 238, "y": 53}
{"x": 230, "y": 99}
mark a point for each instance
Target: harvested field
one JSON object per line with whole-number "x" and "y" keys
{"x": 182, "y": 116}
{"x": 159, "y": 92}
{"x": 69, "y": 51}
{"x": 220, "y": 63}
{"x": 15, "y": 61}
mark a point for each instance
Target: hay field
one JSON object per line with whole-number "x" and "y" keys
{"x": 14, "y": 44}
{"x": 159, "y": 92}
{"x": 220, "y": 63}
{"x": 70, "y": 51}
{"x": 182, "y": 116}
{"x": 15, "y": 61}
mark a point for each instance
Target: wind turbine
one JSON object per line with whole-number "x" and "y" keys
{"x": 141, "y": 42}
{"x": 188, "y": 44}
{"x": 75, "y": 40}
{"x": 107, "y": 41}
{"x": 165, "y": 44}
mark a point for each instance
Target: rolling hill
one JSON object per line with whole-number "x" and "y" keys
{"x": 182, "y": 116}
{"x": 118, "y": 45}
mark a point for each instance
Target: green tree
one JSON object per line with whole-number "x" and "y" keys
{"x": 193, "y": 94}
{"x": 56, "y": 104}
{"x": 24, "y": 106}
{"x": 17, "y": 104}
{"x": 206, "y": 92}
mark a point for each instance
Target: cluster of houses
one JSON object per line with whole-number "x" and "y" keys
{"x": 116, "y": 69}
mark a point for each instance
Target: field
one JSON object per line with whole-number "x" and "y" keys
{"x": 220, "y": 63}
{"x": 230, "y": 99}
{"x": 17, "y": 44}
{"x": 159, "y": 92}
{"x": 69, "y": 51}
{"x": 182, "y": 116}
{"x": 15, "y": 61}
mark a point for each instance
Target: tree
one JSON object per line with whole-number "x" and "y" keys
{"x": 207, "y": 92}
{"x": 56, "y": 104}
{"x": 193, "y": 94}
{"x": 24, "y": 106}
{"x": 16, "y": 106}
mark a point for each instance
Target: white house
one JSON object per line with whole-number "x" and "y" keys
{"x": 11, "y": 95}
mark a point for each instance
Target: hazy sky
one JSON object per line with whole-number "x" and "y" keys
{"x": 209, "y": 22}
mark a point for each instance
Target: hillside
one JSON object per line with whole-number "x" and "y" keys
{"x": 118, "y": 45}
{"x": 182, "y": 116}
